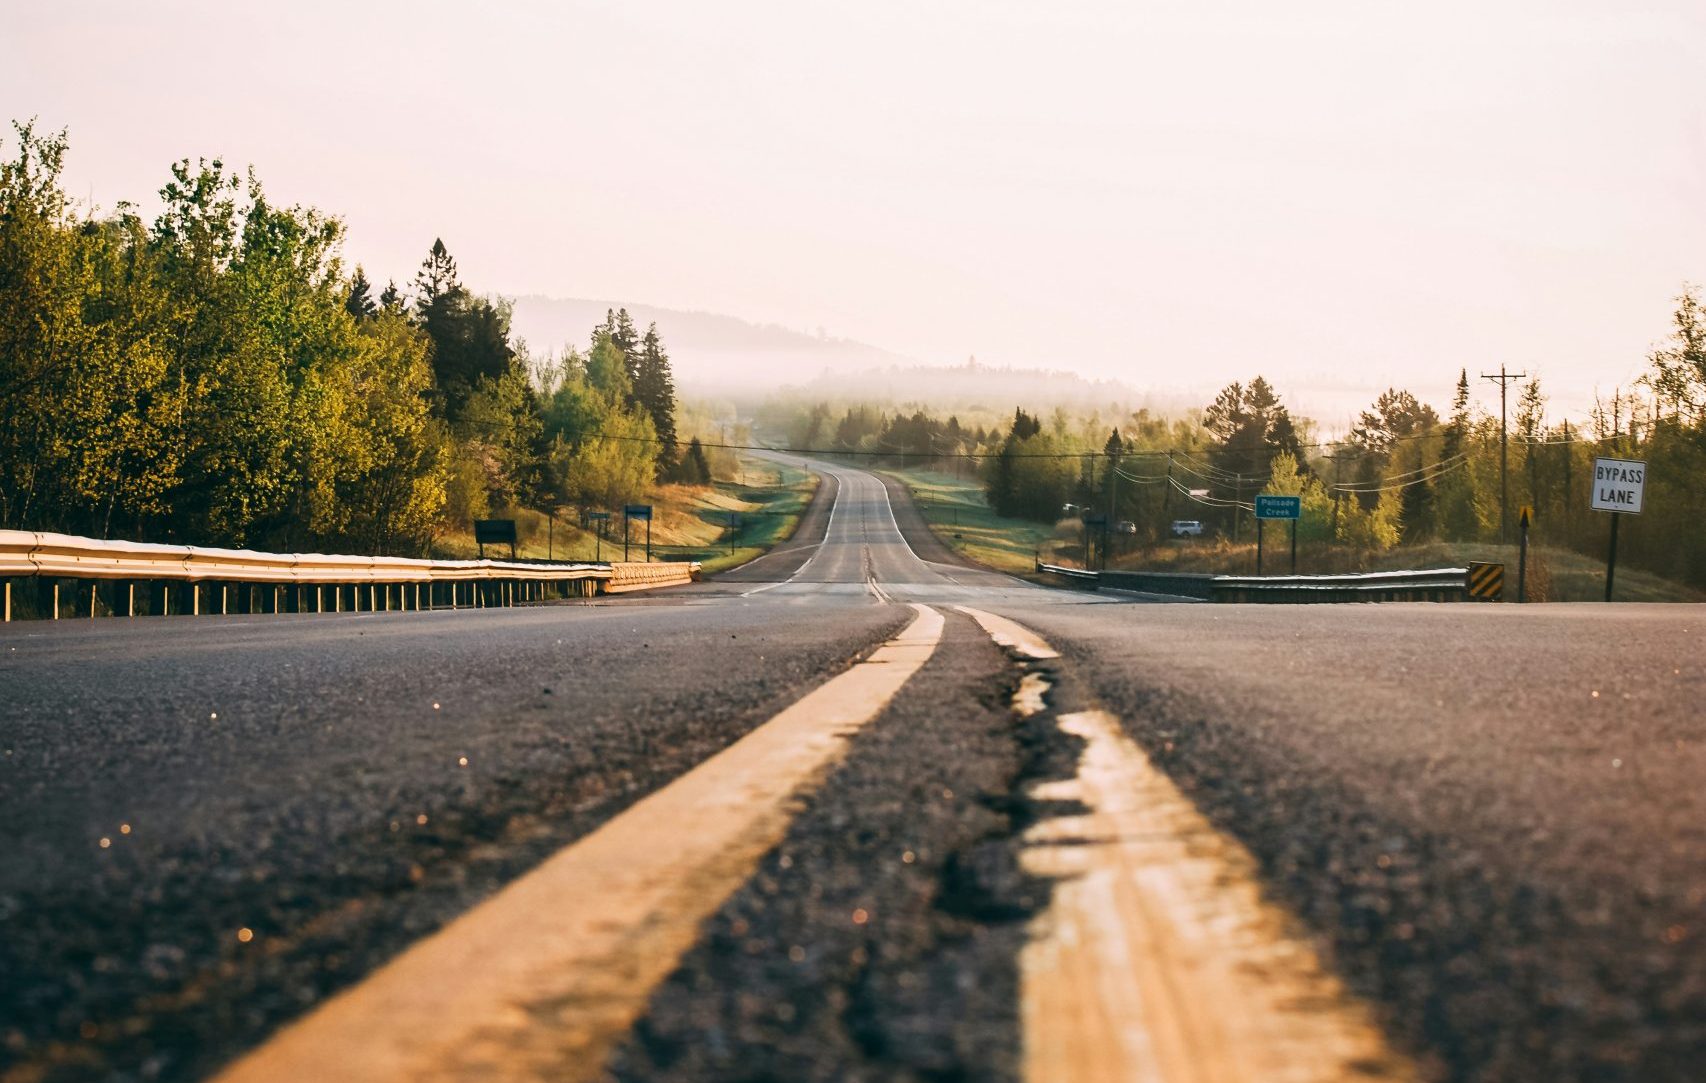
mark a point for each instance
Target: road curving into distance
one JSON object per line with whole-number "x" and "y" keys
{"x": 857, "y": 811}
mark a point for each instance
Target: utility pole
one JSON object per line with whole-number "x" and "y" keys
{"x": 1237, "y": 502}
{"x": 1167, "y": 491}
{"x": 1113, "y": 498}
{"x": 1504, "y": 380}
{"x": 1339, "y": 455}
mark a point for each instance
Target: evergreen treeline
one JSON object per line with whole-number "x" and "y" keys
{"x": 214, "y": 377}
{"x": 1404, "y": 474}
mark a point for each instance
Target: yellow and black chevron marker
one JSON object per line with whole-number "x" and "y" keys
{"x": 1486, "y": 581}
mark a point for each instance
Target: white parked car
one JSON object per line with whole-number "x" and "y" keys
{"x": 1187, "y": 528}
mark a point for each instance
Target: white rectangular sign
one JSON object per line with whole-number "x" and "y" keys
{"x": 1618, "y": 485}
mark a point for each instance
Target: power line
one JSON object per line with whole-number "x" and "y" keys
{"x": 1181, "y": 458}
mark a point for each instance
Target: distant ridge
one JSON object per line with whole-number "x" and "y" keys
{"x": 712, "y": 352}
{"x": 973, "y": 387}
{"x": 707, "y": 350}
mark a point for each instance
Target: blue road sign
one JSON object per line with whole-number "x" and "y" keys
{"x": 637, "y": 511}
{"x": 1279, "y": 507}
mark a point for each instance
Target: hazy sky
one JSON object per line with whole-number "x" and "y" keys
{"x": 1337, "y": 195}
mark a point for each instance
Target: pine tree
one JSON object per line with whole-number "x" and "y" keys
{"x": 1453, "y": 506}
{"x": 696, "y": 467}
{"x": 391, "y": 298}
{"x": 470, "y": 335}
{"x": 359, "y": 303}
{"x": 436, "y": 279}
{"x": 1458, "y": 428}
{"x": 654, "y": 392}
{"x": 1111, "y": 451}
{"x": 618, "y": 326}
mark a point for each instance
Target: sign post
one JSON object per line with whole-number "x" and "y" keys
{"x": 1619, "y": 487}
{"x": 1277, "y": 507}
{"x": 637, "y": 511}
{"x": 1523, "y": 518}
{"x": 602, "y": 518}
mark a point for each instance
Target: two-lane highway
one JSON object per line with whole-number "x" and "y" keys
{"x": 857, "y": 811}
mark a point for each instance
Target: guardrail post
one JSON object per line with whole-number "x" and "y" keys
{"x": 8, "y": 600}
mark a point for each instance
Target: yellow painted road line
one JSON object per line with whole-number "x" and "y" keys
{"x": 1010, "y": 634}
{"x": 1158, "y": 959}
{"x": 540, "y": 981}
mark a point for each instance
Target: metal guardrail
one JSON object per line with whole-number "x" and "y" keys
{"x": 195, "y": 580}
{"x": 1073, "y": 575}
{"x": 1428, "y": 585}
{"x": 1173, "y": 584}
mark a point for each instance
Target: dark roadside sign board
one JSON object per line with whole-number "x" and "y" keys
{"x": 1620, "y": 487}
{"x": 494, "y": 532}
{"x": 1270, "y": 506}
{"x": 630, "y": 512}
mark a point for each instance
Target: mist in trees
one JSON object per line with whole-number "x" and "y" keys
{"x": 1401, "y": 475}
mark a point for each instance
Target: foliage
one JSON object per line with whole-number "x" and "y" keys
{"x": 470, "y": 335}
{"x": 214, "y": 377}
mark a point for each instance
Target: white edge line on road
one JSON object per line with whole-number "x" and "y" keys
{"x": 541, "y": 980}
{"x": 827, "y": 527}
{"x": 938, "y": 564}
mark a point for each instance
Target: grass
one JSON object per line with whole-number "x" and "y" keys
{"x": 956, "y": 510}
{"x": 689, "y": 522}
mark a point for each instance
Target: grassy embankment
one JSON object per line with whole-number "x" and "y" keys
{"x": 956, "y": 509}
{"x": 690, "y": 522}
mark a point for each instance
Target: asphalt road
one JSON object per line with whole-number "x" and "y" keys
{"x": 1488, "y": 818}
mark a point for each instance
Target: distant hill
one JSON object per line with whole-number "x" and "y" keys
{"x": 975, "y": 388}
{"x": 707, "y": 351}
{"x": 727, "y": 355}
